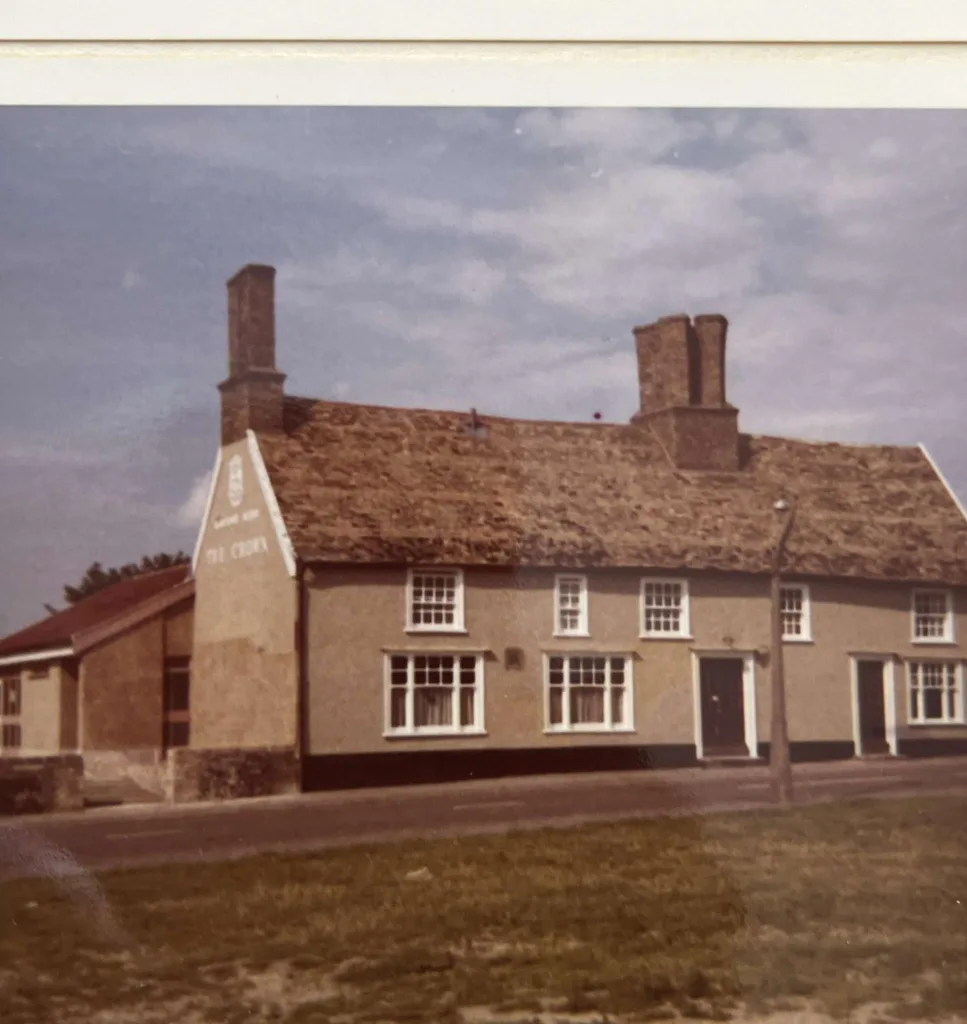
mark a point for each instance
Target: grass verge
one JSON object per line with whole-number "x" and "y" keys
{"x": 844, "y": 908}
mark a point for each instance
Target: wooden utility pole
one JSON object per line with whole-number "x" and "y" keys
{"x": 779, "y": 761}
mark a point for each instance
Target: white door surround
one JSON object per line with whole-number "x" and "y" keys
{"x": 748, "y": 696}
{"x": 889, "y": 698}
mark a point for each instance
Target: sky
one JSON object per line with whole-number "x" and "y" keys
{"x": 450, "y": 258}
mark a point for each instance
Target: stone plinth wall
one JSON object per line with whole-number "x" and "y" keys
{"x": 144, "y": 768}
{"x": 230, "y": 774}
{"x": 35, "y": 785}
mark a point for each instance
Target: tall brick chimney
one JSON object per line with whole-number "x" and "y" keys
{"x": 252, "y": 396}
{"x": 681, "y": 380}
{"x": 711, "y": 328}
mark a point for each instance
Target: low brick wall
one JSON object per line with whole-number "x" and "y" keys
{"x": 230, "y": 774}
{"x": 35, "y": 785}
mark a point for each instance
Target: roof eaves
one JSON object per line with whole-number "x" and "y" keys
{"x": 272, "y": 504}
{"x": 208, "y": 508}
{"x": 85, "y": 639}
{"x": 41, "y": 654}
{"x": 943, "y": 480}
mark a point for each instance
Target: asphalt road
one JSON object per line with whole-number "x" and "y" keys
{"x": 66, "y": 844}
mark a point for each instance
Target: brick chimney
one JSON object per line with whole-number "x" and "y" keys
{"x": 681, "y": 379}
{"x": 252, "y": 396}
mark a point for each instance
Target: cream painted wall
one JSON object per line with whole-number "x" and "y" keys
{"x": 244, "y": 668}
{"x": 356, "y": 612}
{"x": 40, "y": 714}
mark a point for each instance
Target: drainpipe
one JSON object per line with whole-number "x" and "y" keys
{"x": 779, "y": 759}
{"x": 302, "y": 668}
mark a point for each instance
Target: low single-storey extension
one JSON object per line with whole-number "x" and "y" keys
{"x": 386, "y": 594}
{"x": 107, "y": 677}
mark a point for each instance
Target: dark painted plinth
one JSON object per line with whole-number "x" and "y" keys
{"x": 806, "y": 751}
{"x": 953, "y": 746}
{"x": 357, "y": 771}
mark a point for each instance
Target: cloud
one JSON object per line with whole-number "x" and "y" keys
{"x": 808, "y": 230}
{"x": 54, "y": 455}
{"x": 372, "y": 268}
{"x": 191, "y": 512}
{"x": 595, "y": 245}
{"x": 131, "y": 279}
{"x": 600, "y": 134}
{"x": 455, "y": 258}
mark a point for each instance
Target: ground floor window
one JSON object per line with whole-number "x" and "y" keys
{"x": 588, "y": 691}
{"x": 936, "y": 691}
{"x": 435, "y": 693}
{"x": 10, "y": 735}
{"x": 176, "y": 721}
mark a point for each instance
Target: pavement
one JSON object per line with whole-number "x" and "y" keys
{"x": 143, "y": 835}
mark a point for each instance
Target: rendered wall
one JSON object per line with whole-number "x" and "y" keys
{"x": 354, "y": 613}
{"x": 40, "y": 711}
{"x": 244, "y": 661}
{"x": 121, "y": 685}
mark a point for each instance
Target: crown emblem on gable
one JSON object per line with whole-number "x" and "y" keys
{"x": 236, "y": 485}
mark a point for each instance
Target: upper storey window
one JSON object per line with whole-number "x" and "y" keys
{"x": 571, "y": 606}
{"x": 933, "y": 616}
{"x": 435, "y": 601}
{"x": 664, "y": 608}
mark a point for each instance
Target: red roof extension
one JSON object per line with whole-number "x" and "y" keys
{"x": 59, "y": 630}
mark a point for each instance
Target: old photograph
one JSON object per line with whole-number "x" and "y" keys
{"x": 483, "y": 564}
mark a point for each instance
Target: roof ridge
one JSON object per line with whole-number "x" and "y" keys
{"x": 140, "y": 575}
{"x": 492, "y": 417}
{"x": 785, "y": 439}
{"x": 589, "y": 424}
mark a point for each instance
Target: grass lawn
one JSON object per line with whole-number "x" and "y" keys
{"x": 837, "y": 908}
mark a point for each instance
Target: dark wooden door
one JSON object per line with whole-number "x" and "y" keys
{"x": 723, "y": 707}
{"x": 869, "y": 693}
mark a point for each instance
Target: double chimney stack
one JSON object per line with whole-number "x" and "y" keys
{"x": 681, "y": 377}
{"x": 681, "y": 381}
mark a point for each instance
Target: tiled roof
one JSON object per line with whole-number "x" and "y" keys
{"x": 58, "y": 630}
{"x": 362, "y": 483}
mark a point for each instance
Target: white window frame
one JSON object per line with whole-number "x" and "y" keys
{"x": 12, "y": 720}
{"x": 418, "y": 732}
{"x": 685, "y": 621}
{"x": 920, "y": 720}
{"x": 948, "y": 634}
{"x": 565, "y": 726}
{"x": 583, "y": 628}
{"x": 458, "y": 624}
{"x": 806, "y": 635}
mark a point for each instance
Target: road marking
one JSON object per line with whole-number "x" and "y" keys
{"x": 140, "y": 835}
{"x": 840, "y": 780}
{"x": 488, "y": 803}
{"x": 861, "y": 780}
